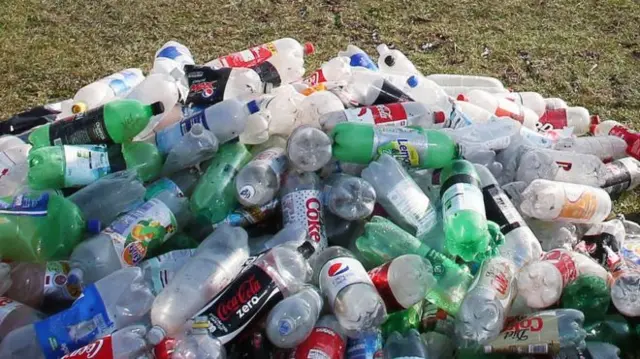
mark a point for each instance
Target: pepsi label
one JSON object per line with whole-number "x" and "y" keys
{"x": 339, "y": 273}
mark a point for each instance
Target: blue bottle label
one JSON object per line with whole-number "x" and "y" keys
{"x": 367, "y": 346}
{"x": 363, "y": 60}
{"x": 124, "y": 81}
{"x": 26, "y": 205}
{"x": 86, "y": 321}
{"x": 169, "y": 52}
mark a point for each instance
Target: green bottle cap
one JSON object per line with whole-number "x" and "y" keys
{"x": 353, "y": 142}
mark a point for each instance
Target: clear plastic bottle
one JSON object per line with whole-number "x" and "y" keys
{"x": 126, "y": 343}
{"x": 358, "y": 58}
{"x": 197, "y": 146}
{"x": 292, "y": 320}
{"x": 606, "y": 148}
{"x": 400, "y": 195}
{"x": 554, "y": 103}
{"x": 114, "y": 302}
{"x": 451, "y": 80}
{"x": 622, "y": 175}
{"x": 208, "y": 86}
{"x": 160, "y": 270}
{"x": 577, "y": 118}
{"x": 394, "y": 114}
{"x": 313, "y": 107}
{"x": 395, "y": 62}
{"x": 562, "y": 167}
{"x": 171, "y": 56}
{"x": 334, "y": 70}
{"x": 199, "y": 344}
{"x": 106, "y": 89}
{"x": 259, "y": 180}
{"x": 625, "y": 292}
{"x": 348, "y": 197}
{"x": 502, "y": 107}
{"x": 14, "y": 315}
{"x": 560, "y": 201}
{"x": 410, "y": 345}
{"x": 427, "y": 92}
{"x": 532, "y": 100}
{"x": 258, "y": 54}
{"x": 218, "y": 259}
{"x": 42, "y": 284}
{"x": 13, "y": 165}
{"x": 352, "y": 296}
{"x": 281, "y": 68}
{"x": 126, "y": 241}
{"x": 327, "y": 340}
{"x": 594, "y": 350}
{"x": 371, "y": 88}
{"x": 288, "y": 234}
{"x": 308, "y": 148}
{"x": 614, "y": 128}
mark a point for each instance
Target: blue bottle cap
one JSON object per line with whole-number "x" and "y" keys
{"x": 412, "y": 81}
{"x": 94, "y": 226}
{"x": 253, "y": 106}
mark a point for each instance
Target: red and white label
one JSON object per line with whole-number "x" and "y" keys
{"x": 100, "y": 349}
{"x": 553, "y": 119}
{"x": 303, "y": 208}
{"x": 624, "y": 133}
{"x": 315, "y": 78}
{"x": 511, "y": 109}
{"x": 164, "y": 349}
{"x": 381, "y": 115}
{"x": 339, "y": 273}
{"x": 380, "y": 278}
{"x": 247, "y": 58}
{"x": 7, "y": 306}
{"x": 565, "y": 264}
{"x": 323, "y": 343}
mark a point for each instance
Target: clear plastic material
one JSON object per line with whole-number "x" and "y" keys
{"x": 315, "y": 106}
{"x": 308, "y": 148}
{"x": 291, "y": 320}
{"x": 561, "y": 166}
{"x": 400, "y": 346}
{"x": 394, "y": 61}
{"x": 348, "y": 197}
{"x": 13, "y": 165}
{"x": 195, "y": 147}
{"x": 259, "y": 180}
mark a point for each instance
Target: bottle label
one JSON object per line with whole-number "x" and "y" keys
{"x": 275, "y": 158}
{"x": 7, "y": 305}
{"x": 162, "y": 268}
{"x": 26, "y": 205}
{"x": 84, "y": 322}
{"x": 619, "y": 178}
{"x": 123, "y": 81}
{"x": 366, "y": 346}
{"x": 251, "y": 293}
{"x": 304, "y": 208}
{"x": 392, "y": 114}
{"x": 624, "y": 133}
{"x": 510, "y": 109}
{"x": 391, "y": 94}
{"x": 339, "y": 273}
{"x": 380, "y": 278}
{"x": 80, "y": 129}
{"x": 551, "y": 119}
{"x": 85, "y": 164}
{"x": 251, "y": 215}
{"x": 100, "y": 349}
{"x": 164, "y": 349}
{"x": 206, "y": 85}
{"x": 362, "y": 60}
{"x": 171, "y": 136}
{"x": 322, "y": 343}
{"x": 415, "y": 207}
{"x": 436, "y": 320}
{"x": 580, "y": 203}
{"x": 500, "y": 210}
{"x": 537, "y": 334}
{"x": 461, "y": 196}
{"x": 565, "y": 264}
{"x": 407, "y": 145}
{"x": 249, "y": 57}
{"x": 631, "y": 250}
{"x": 498, "y": 275}
{"x": 315, "y": 78}
{"x": 56, "y": 284}
{"x": 163, "y": 184}
{"x": 133, "y": 233}
{"x": 268, "y": 73}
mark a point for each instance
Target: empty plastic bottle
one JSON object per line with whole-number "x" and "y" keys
{"x": 394, "y": 61}
{"x": 13, "y": 165}
{"x": 159, "y": 271}
{"x": 606, "y": 148}
{"x": 244, "y": 217}
{"x": 127, "y": 240}
{"x": 367, "y": 88}
{"x": 358, "y": 58}
{"x": 426, "y": 92}
{"x": 400, "y": 196}
{"x": 308, "y": 148}
{"x": 613, "y": 128}
{"x": 208, "y": 86}
{"x": 115, "y": 122}
{"x": 625, "y": 291}
{"x": 531, "y": 100}
{"x": 217, "y": 261}
{"x": 327, "y": 339}
{"x": 502, "y": 107}
{"x": 334, "y": 70}
{"x": 467, "y": 81}
{"x": 314, "y": 106}
{"x": 577, "y": 118}
{"x": 400, "y": 346}
{"x": 554, "y": 103}
{"x": 393, "y": 114}
{"x": 226, "y": 120}
{"x": 126, "y": 343}
{"x": 560, "y": 201}
{"x": 117, "y": 301}
{"x": 14, "y": 315}
{"x": 348, "y": 290}
{"x": 301, "y": 203}
{"x": 281, "y": 68}
{"x": 39, "y": 226}
{"x": 561, "y": 166}
{"x": 292, "y": 320}
{"x": 414, "y": 147}
{"x": 259, "y": 180}
{"x": 171, "y": 56}
{"x": 404, "y": 281}
{"x": 348, "y": 197}
{"x": 289, "y": 234}
{"x": 195, "y": 147}
{"x": 593, "y": 350}
{"x": 106, "y": 89}
{"x": 258, "y": 54}
{"x": 622, "y": 175}
{"x": 198, "y": 343}
{"x": 40, "y": 284}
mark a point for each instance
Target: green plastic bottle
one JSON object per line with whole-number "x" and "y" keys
{"x": 415, "y": 147}
{"x": 589, "y": 294}
{"x": 79, "y": 165}
{"x": 467, "y": 233}
{"x": 38, "y": 227}
{"x": 118, "y": 121}
{"x": 614, "y": 329}
{"x": 383, "y": 240}
{"x": 215, "y": 194}
{"x": 403, "y": 321}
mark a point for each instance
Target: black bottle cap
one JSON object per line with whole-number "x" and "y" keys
{"x": 306, "y": 249}
{"x": 389, "y": 61}
{"x": 157, "y": 108}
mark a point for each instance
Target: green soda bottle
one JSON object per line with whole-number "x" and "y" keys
{"x": 215, "y": 194}
{"x": 383, "y": 240}
{"x": 38, "y": 227}
{"x": 415, "y": 147}
{"x": 467, "y": 233}
{"x": 118, "y": 121}
{"x": 614, "y": 329}
{"x": 403, "y": 321}
{"x": 589, "y": 294}
{"x": 76, "y": 166}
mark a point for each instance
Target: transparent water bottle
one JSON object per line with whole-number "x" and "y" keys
{"x": 159, "y": 271}
{"x": 400, "y": 346}
{"x": 606, "y": 148}
{"x": 348, "y": 197}
{"x": 199, "y": 344}
{"x": 561, "y": 166}
{"x": 259, "y": 180}
{"x": 308, "y": 148}
{"x": 291, "y": 321}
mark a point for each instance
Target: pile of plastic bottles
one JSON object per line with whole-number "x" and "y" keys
{"x": 239, "y": 209}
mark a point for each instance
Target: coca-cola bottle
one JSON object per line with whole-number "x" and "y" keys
{"x": 126, "y": 343}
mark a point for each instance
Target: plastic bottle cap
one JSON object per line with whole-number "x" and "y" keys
{"x": 595, "y": 121}
{"x": 439, "y": 117}
{"x": 94, "y": 226}
{"x": 75, "y": 276}
{"x": 412, "y": 81}
{"x": 309, "y": 48}
{"x": 382, "y": 48}
{"x": 79, "y": 107}
{"x": 389, "y": 60}
{"x": 155, "y": 335}
{"x": 253, "y": 106}
{"x": 462, "y": 97}
{"x": 306, "y": 249}
{"x": 157, "y": 108}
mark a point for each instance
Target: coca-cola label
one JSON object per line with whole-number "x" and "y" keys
{"x": 536, "y": 334}
{"x": 392, "y": 114}
{"x": 100, "y": 349}
{"x": 338, "y": 273}
{"x": 251, "y": 293}
{"x": 304, "y": 208}
{"x": 247, "y": 58}
{"x": 562, "y": 260}
{"x": 7, "y": 305}
{"x": 380, "y": 278}
{"x": 322, "y": 343}
{"x": 553, "y": 119}
{"x": 500, "y": 210}
{"x": 315, "y": 78}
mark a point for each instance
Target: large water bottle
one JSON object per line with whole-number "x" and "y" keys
{"x": 291, "y": 321}
{"x": 352, "y": 296}
{"x": 334, "y": 70}
{"x": 561, "y": 166}
{"x": 217, "y": 261}
{"x": 393, "y": 114}
{"x": 308, "y": 148}
{"x": 400, "y": 346}
{"x": 606, "y": 148}
{"x": 118, "y": 300}
{"x": 259, "y": 180}
{"x": 193, "y": 148}
{"x": 106, "y": 89}
{"x": 395, "y": 62}
{"x": 159, "y": 271}
{"x": 348, "y": 197}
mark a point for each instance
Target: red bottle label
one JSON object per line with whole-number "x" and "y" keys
{"x": 315, "y": 78}
{"x": 624, "y": 133}
{"x": 392, "y": 114}
{"x": 380, "y": 278}
{"x": 100, "y": 349}
{"x": 323, "y": 343}
{"x": 553, "y": 119}
{"x": 565, "y": 264}
{"x": 164, "y": 349}
{"x": 249, "y": 57}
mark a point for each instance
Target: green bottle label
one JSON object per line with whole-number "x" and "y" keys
{"x": 462, "y": 192}
{"x": 405, "y": 144}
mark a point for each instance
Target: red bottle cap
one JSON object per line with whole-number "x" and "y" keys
{"x": 462, "y": 97}
{"x": 309, "y": 48}
{"x": 595, "y": 121}
{"x": 439, "y": 117}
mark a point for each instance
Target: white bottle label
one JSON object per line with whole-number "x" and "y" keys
{"x": 340, "y": 273}
{"x": 85, "y": 164}
{"x": 498, "y": 275}
{"x": 460, "y": 197}
{"x": 304, "y": 208}
{"x": 413, "y": 204}
{"x": 7, "y": 306}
